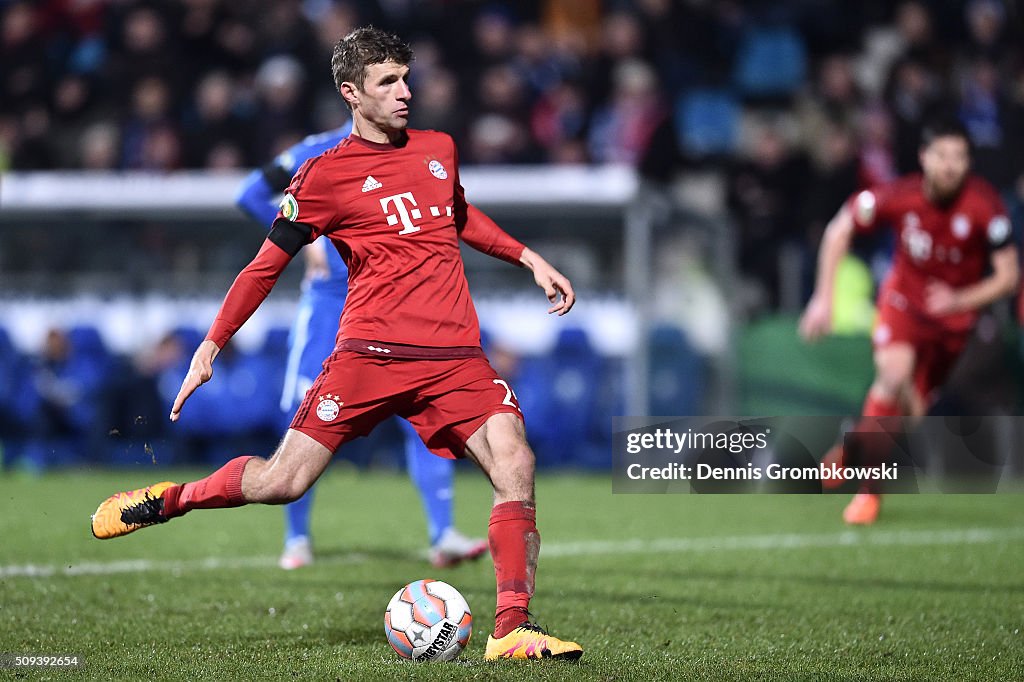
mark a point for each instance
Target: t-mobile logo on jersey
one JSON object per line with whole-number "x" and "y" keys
{"x": 404, "y": 215}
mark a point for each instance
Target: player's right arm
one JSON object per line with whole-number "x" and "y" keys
{"x": 249, "y": 290}
{"x": 309, "y": 198}
{"x": 862, "y": 212}
{"x": 835, "y": 243}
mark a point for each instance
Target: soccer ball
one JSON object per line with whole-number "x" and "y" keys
{"x": 428, "y": 620}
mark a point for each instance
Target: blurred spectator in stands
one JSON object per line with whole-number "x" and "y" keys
{"x": 995, "y": 124}
{"x": 69, "y": 380}
{"x": 98, "y": 147}
{"x": 765, "y": 192}
{"x": 73, "y": 100}
{"x": 834, "y": 176}
{"x": 23, "y": 58}
{"x": 150, "y": 140}
{"x": 33, "y": 149}
{"x": 916, "y": 31}
{"x": 498, "y": 139}
{"x": 437, "y": 104}
{"x": 502, "y": 91}
{"x": 284, "y": 30}
{"x": 622, "y": 42}
{"x": 913, "y": 94}
{"x": 540, "y": 67}
{"x": 493, "y": 38}
{"x": 559, "y": 121}
{"x": 573, "y": 25}
{"x": 213, "y": 124}
{"x": 622, "y": 128}
{"x": 877, "y": 160}
{"x": 283, "y": 114}
{"x": 833, "y": 99}
{"x": 499, "y": 132}
{"x": 986, "y": 31}
{"x": 143, "y": 50}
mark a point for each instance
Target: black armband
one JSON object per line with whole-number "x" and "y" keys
{"x": 277, "y": 178}
{"x": 290, "y": 236}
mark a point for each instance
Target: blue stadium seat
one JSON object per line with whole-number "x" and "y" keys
{"x": 19, "y": 402}
{"x": 771, "y": 61}
{"x": 707, "y": 122}
{"x": 275, "y": 343}
{"x": 560, "y": 394}
{"x": 678, "y": 374}
{"x": 190, "y": 338}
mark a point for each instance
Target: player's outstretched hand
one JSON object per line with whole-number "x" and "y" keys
{"x": 817, "y": 319}
{"x": 199, "y": 372}
{"x": 940, "y": 299}
{"x": 555, "y": 285}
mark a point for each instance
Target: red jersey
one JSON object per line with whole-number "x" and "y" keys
{"x": 395, "y": 214}
{"x": 950, "y": 243}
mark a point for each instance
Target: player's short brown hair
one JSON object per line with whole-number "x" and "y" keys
{"x": 944, "y": 126}
{"x": 363, "y": 47}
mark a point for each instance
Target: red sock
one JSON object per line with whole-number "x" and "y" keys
{"x": 515, "y": 544}
{"x": 874, "y": 448}
{"x": 222, "y": 488}
{"x": 877, "y": 407}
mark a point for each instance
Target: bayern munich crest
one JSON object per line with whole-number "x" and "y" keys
{"x": 437, "y": 169}
{"x": 328, "y": 407}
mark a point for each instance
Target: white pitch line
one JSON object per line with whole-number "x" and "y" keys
{"x": 849, "y": 538}
{"x": 783, "y": 541}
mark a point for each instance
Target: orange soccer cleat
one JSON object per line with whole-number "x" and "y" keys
{"x": 530, "y": 642}
{"x": 126, "y": 512}
{"x": 863, "y": 509}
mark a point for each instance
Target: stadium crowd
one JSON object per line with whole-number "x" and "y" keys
{"x": 790, "y": 106}
{"x": 794, "y": 104}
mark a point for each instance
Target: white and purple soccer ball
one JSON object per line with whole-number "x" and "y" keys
{"x": 428, "y": 620}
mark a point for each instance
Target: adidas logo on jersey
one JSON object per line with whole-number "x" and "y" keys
{"x": 371, "y": 184}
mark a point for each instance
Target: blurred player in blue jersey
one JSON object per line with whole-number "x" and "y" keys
{"x": 312, "y": 340}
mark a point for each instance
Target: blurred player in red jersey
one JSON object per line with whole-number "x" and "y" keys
{"x": 954, "y": 256}
{"x": 389, "y": 199}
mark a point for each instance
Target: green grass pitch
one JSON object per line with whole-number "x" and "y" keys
{"x": 673, "y": 587}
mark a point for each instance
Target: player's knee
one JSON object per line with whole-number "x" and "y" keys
{"x": 891, "y": 381}
{"x": 520, "y": 458}
{"x": 281, "y": 491}
{"x": 514, "y": 465}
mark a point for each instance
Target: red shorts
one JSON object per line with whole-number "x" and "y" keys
{"x": 446, "y": 401}
{"x": 936, "y": 347}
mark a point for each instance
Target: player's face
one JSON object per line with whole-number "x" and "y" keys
{"x": 945, "y": 162}
{"x": 383, "y": 101}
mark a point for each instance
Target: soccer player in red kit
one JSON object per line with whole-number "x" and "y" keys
{"x": 954, "y": 256}
{"x": 389, "y": 199}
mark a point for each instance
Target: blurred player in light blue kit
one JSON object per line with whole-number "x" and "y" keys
{"x": 312, "y": 339}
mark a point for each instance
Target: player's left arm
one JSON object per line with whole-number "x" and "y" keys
{"x": 556, "y": 286}
{"x": 483, "y": 234}
{"x": 941, "y": 299}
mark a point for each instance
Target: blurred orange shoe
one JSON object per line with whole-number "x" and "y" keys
{"x": 863, "y": 509}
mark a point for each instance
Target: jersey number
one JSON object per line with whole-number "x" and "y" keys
{"x": 509, "y": 394}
